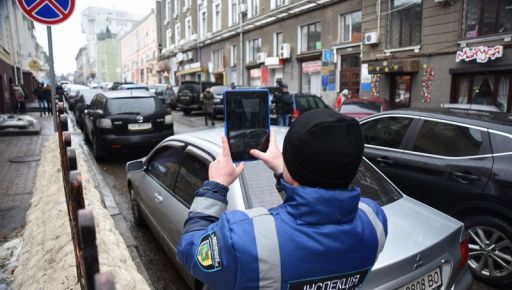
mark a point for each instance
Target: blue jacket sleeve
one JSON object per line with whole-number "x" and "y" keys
{"x": 205, "y": 248}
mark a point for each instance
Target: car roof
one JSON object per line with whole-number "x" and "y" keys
{"x": 491, "y": 120}
{"x": 130, "y": 86}
{"x": 127, "y": 93}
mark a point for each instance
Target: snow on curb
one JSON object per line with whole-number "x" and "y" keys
{"x": 47, "y": 260}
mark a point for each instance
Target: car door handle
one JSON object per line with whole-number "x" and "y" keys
{"x": 385, "y": 160}
{"x": 465, "y": 177}
{"x": 158, "y": 197}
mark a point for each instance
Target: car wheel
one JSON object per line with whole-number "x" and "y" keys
{"x": 490, "y": 250}
{"x": 99, "y": 152}
{"x": 186, "y": 111}
{"x": 138, "y": 218}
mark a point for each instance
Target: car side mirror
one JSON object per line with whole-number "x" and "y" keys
{"x": 136, "y": 165}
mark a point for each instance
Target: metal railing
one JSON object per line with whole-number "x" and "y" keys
{"x": 81, "y": 219}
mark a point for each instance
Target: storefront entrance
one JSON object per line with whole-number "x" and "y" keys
{"x": 400, "y": 94}
{"x": 311, "y": 78}
{"x": 350, "y": 74}
{"x": 484, "y": 89}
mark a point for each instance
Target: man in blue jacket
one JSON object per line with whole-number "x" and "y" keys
{"x": 323, "y": 236}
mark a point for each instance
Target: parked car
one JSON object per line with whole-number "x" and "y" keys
{"x": 82, "y": 104}
{"x": 301, "y": 104}
{"x": 218, "y": 102}
{"x": 72, "y": 93}
{"x": 190, "y": 95}
{"x": 475, "y": 107}
{"x": 115, "y": 85}
{"x": 126, "y": 120}
{"x": 162, "y": 186}
{"x": 133, "y": 87}
{"x": 457, "y": 161}
{"x": 363, "y": 107}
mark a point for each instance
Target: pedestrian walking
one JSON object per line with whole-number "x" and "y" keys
{"x": 48, "y": 96}
{"x": 41, "y": 99}
{"x": 323, "y": 233}
{"x": 340, "y": 99}
{"x": 19, "y": 95}
{"x": 208, "y": 106}
{"x": 284, "y": 106}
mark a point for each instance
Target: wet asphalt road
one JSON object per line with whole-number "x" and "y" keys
{"x": 160, "y": 269}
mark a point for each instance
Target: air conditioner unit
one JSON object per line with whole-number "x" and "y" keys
{"x": 371, "y": 38}
{"x": 243, "y": 8}
{"x": 260, "y": 57}
{"x": 284, "y": 50}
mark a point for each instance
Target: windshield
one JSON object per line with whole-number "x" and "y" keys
{"x": 143, "y": 106}
{"x": 306, "y": 103}
{"x": 258, "y": 184}
{"x": 370, "y": 108}
{"x": 218, "y": 90}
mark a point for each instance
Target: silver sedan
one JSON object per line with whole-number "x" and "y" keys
{"x": 425, "y": 249}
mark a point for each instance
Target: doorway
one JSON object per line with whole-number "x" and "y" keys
{"x": 400, "y": 94}
{"x": 350, "y": 74}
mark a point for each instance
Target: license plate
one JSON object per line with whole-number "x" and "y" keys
{"x": 139, "y": 126}
{"x": 429, "y": 281}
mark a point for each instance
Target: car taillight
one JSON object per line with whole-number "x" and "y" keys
{"x": 105, "y": 123}
{"x": 295, "y": 114}
{"x": 464, "y": 253}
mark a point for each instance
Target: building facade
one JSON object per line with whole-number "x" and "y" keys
{"x": 139, "y": 52}
{"x": 409, "y": 52}
{"x": 94, "y": 21}
{"x": 108, "y": 58}
{"x": 21, "y": 57}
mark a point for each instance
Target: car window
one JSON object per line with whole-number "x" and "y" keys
{"x": 306, "y": 103}
{"x": 193, "y": 172}
{"x": 192, "y": 87}
{"x": 132, "y": 105}
{"x": 163, "y": 165}
{"x": 320, "y": 103}
{"x": 374, "y": 186}
{"x": 99, "y": 103}
{"x": 444, "y": 139}
{"x": 386, "y": 132}
{"x": 501, "y": 143}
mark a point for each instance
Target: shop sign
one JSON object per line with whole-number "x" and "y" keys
{"x": 274, "y": 61}
{"x": 366, "y": 79}
{"x": 393, "y": 67}
{"x": 311, "y": 66}
{"x": 255, "y": 73}
{"x": 195, "y": 65}
{"x": 327, "y": 56}
{"x": 482, "y": 54}
{"x": 264, "y": 75}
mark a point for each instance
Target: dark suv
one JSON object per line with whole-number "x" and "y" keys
{"x": 457, "y": 161}
{"x": 190, "y": 95}
{"x": 126, "y": 120}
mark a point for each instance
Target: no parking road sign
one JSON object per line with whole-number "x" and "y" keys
{"x": 47, "y": 12}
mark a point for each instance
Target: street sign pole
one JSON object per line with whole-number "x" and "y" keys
{"x": 52, "y": 76}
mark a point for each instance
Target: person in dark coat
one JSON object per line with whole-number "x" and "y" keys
{"x": 48, "y": 96}
{"x": 284, "y": 106}
{"x": 208, "y": 106}
{"x": 41, "y": 99}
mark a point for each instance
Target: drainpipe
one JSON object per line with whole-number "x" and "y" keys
{"x": 14, "y": 39}
{"x": 241, "y": 46}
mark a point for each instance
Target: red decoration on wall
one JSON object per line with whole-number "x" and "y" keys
{"x": 426, "y": 82}
{"x": 375, "y": 85}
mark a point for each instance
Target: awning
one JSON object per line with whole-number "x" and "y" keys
{"x": 192, "y": 70}
{"x": 163, "y": 66}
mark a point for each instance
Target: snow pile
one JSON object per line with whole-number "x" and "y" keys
{"x": 9, "y": 253}
{"x": 47, "y": 260}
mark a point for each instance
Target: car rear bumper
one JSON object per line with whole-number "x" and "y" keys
{"x": 191, "y": 107}
{"x": 135, "y": 142}
{"x": 464, "y": 281}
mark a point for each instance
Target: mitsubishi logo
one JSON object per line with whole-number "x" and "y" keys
{"x": 140, "y": 119}
{"x": 419, "y": 262}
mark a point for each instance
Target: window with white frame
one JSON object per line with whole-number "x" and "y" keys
{"x": 253, "y": 48}
{"x": 188, "y": 27}
{"x": 278, "y": 40}
{"x": 167, "y": 9}
{"x": 218, "y": 59}
{"x": 254, "y": 7}
{"x": 350, "y": 27}
{"x": 187, "y": 3}
{"x": 177, "y": 34}
{"x": 310, "y": 37}
{"x": 203, "y": 24}
{"x": 169, "y": 37}
{"x": 233, "y": 12}
{"x": 176, "y": 8}
{"x": 278, "y": 3}
{"x": 234, "y": 55}
{"x": 217, "y": 17}
{"x": 405, "y": 23}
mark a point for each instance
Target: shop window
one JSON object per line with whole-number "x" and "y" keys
{"x": 400, "y": 91}
{"x": 485, "y": 89}
{"x": 310, "y": 37}
{"x": 405, "y": 23}
{"x": 350, "y": 27}
{"x": 487, "y": 17}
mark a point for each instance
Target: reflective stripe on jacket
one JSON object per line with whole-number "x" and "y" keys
{"x": 316, "y": 237}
